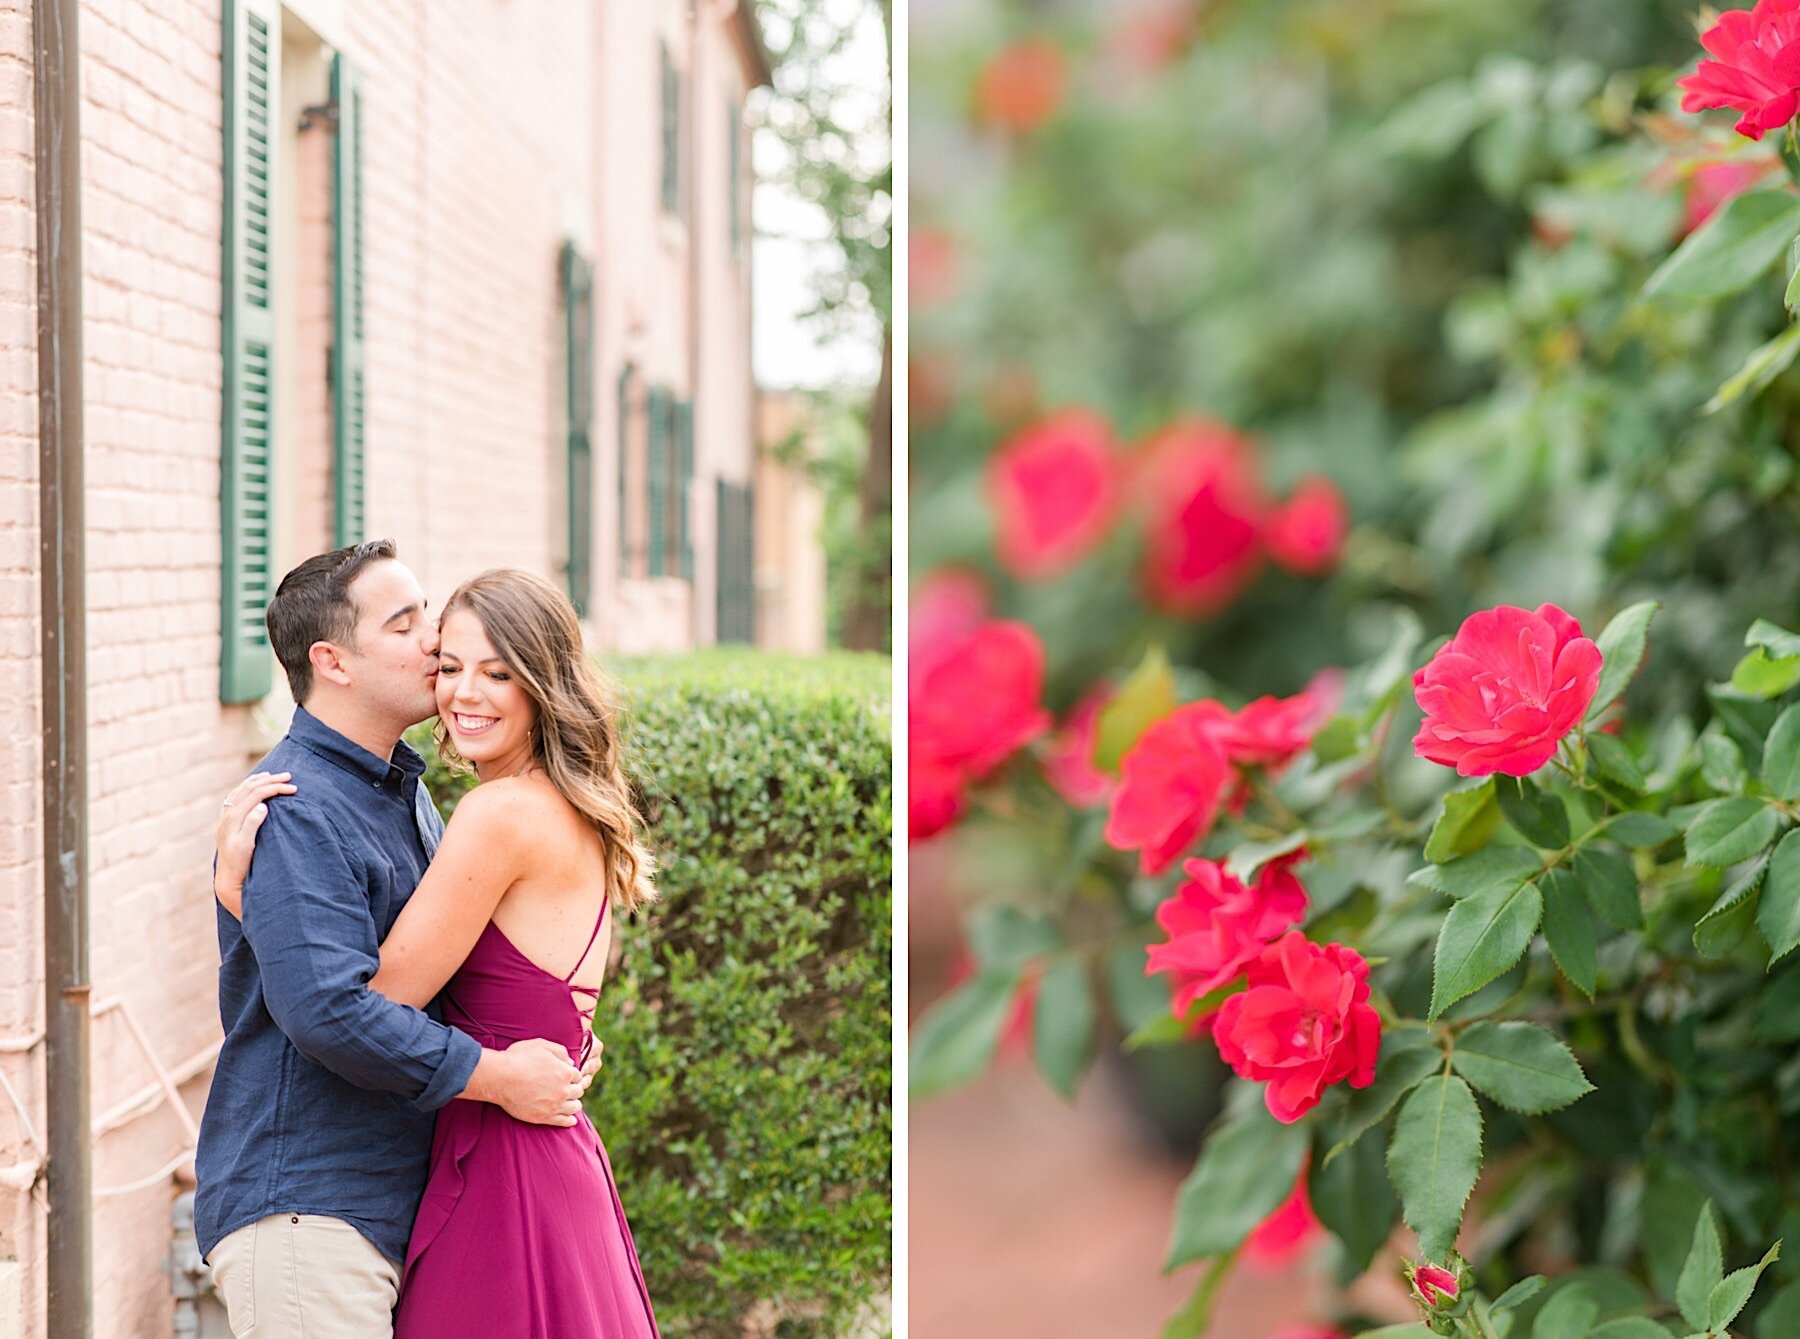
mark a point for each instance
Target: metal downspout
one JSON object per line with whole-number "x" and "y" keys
{"x": 691, "y": 155}
{"x": 63, "y": 631}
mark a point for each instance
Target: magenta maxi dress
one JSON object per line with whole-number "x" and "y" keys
{"x": 520, "y": 1234}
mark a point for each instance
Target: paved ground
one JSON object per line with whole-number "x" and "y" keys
{"x": 1032, "y": 1218}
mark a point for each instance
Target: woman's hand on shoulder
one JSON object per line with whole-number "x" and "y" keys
{"x": 234, "y": 835}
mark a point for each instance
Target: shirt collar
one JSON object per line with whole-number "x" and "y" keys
{"x": 335, "y": 748}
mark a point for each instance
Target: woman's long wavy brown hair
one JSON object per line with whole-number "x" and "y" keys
{"x": 537, "y": 633}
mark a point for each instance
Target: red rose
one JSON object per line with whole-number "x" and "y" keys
{"x": 974, "y": 703}
{"x": 1021, "y": 87}
{"x": 1172, "y": 786}
{"x": 1069, "y": 759}
{"x": 946, "y": 607}
{"x": 1505, "y": 690}
{"x": 1435, "y": 1287}
{"x": 1306, "y": 533}
{"x": 1281, "y": 1237}
{"x": 1710, "y": 185}
{"x": 1216, "y": 925}
{"x": 1053, "y": 489}
{"x": 1756, "y": 70}
{"x": 1303, "y": 1024}
{"x": 1270, "y": 731}
{"x": 1203, "y": 518}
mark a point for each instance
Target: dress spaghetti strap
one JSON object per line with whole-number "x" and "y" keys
{"x": 604, "y": 899}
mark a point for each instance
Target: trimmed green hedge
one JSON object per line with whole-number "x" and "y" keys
{"x": 746, "y": 1097}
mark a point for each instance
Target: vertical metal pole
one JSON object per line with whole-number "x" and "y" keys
{"x": 63, "y": 582}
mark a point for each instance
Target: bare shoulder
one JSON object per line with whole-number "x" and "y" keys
{"x": 518, "y": 808}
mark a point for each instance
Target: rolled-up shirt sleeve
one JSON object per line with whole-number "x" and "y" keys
{"x": 307, "y": 920}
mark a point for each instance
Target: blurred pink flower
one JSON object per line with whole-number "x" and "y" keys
{"x": 1306, "y": 533}
{"x": 1710, "y": 185}
{"x": 1500, "y": 696}
{"x": 1286, "y": 1234}
{"x": 1203, "y": 516}
{"x": 974, "y": 703}
{"x": 947, "y": 605}
{"x": 1173, "y": 786}
{"x": 1152, "y": 34}
{"x": 1755, "y": 70}
{"x": 1303, "y": 1024}
{"x": 1021, "y": 86}
{"x": 1054, "y": 490}
{"x": 1270, "y": 731}
{"x": 1069, "y": 758}
{"x": 931, "y": 264}
{"x": 1216, "y": 925}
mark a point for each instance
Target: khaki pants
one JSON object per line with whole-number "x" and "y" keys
{"x": 305, "y": 1276}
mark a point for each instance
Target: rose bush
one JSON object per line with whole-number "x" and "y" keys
{"x": 1451, "y": 320}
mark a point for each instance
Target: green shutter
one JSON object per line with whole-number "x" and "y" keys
{"x": 625, "y": 380}
{"x": 736, "y": 590}
{"x": 734, "y": 194}
{"x": 684, "y": 478}
{"x": 656, "y": 476}
{"x": 671, "y": 133}
{"x": 252, "y": 66}
{"x": 349, "y": 520}
{"x": 578, "y": 308}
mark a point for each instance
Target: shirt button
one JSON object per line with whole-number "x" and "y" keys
{"x": 294, "y": 1219}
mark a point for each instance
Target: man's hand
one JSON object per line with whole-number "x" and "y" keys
{"x": 532, "y": 1080}
{"x": 591, "y": 1066}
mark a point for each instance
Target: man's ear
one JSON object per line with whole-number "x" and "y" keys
{"x": 328, "y": 663}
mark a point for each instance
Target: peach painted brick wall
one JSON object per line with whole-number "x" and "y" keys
{"x": 494, "y": 129}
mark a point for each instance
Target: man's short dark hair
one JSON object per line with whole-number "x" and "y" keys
{"x": 313, "y": 604}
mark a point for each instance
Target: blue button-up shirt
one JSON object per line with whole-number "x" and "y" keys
{"x": 323, "y": 1096}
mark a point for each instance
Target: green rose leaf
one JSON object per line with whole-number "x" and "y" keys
{"x": 1610, "y": 885}
{"x": 1142, "y": 700}
{"x": 1571, "y": 1312}
{"x": 1641, "y": 831}
{"x": 1774, "y": 639}
{"x": 1781, "y": 755}
{"x": 1355, "y": 1201}
{"x": 1536, "y": 816}
{"x": 1704, "y": 1270}
{"x": 1248, "y": 857}
{"x": 1519, "y": 1294}
{"x": 1763, "y": 364}
{"x": 1004, "y": 939}
{"x": 1615, "y": 762}
{"x": 1247, "y": 1168}
{"x": 1724, "y": 926}
{"x": 1521, "y": 1066}
{"x": 1467, "y": 822}
{"x": 1729, "y": 830}
{"x": 1731, "y": 250}
{"x": 1629, "y": 1327}
{"x": 955, "y": 1039}
{"x": 1569, "y": 930}
{"x": 1778, "y": 914}
{"x": 1622, "y": 643}
{"x": 1434, "y": 1160}
{"x": 1761, "y": 675}
{"x": 1482, "y": 937}
{"x": 1498, "y": 867}
{"x": 1732, "y": 1293}
{"x": 1407, "y": 1056}
{"x": 1064, "y": 1036}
